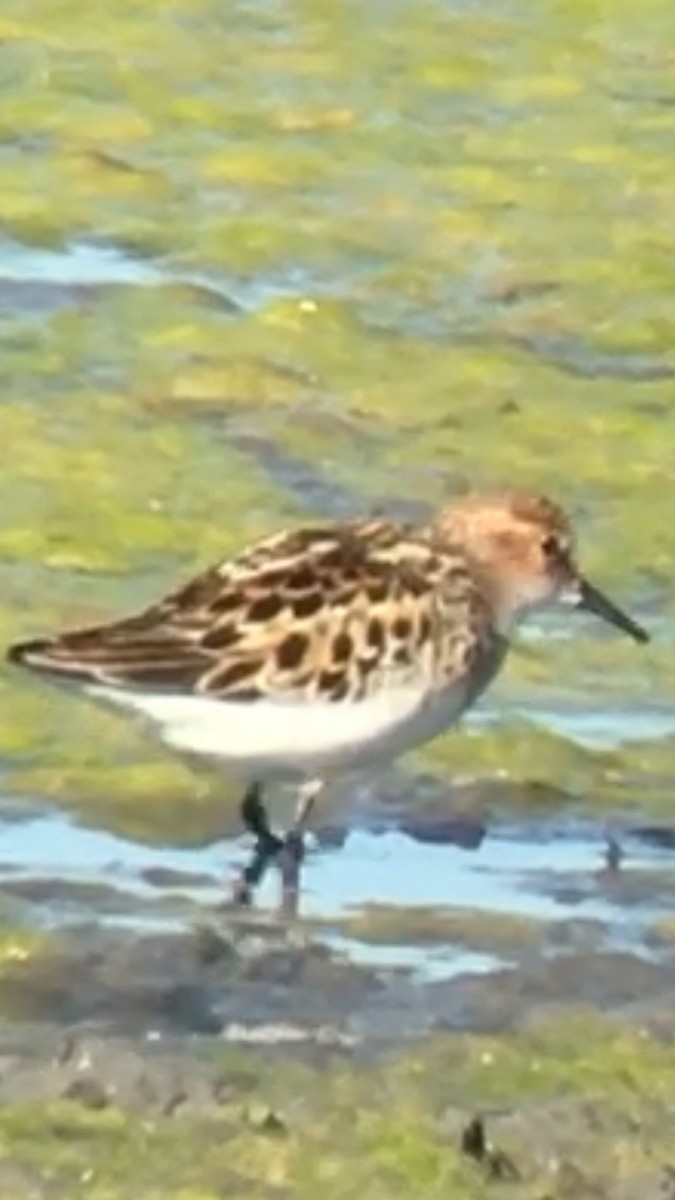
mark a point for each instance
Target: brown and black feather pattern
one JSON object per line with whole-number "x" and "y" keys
{"x": 332, "y": 612}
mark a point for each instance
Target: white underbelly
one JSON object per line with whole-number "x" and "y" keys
{"x": 264, "y": 739}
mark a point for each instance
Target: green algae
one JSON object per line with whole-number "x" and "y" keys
{"x": 422, "y": 925}
{"x": 580, "y": 1096}
{"x": 436, "y": 253}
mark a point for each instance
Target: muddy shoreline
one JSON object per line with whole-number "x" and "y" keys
{"x": 243, "y": 1061}
{"x": 154, "y": 1042}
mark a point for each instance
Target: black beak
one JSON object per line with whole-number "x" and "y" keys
{"x": 590, "y": 599}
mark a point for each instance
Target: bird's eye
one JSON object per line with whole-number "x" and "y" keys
{"x": 552, "y": 546}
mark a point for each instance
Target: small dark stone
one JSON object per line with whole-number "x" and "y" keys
{"x": 87, "y": 1091}
{"x": 502, "y": 1167}
{"x": 465, "y": 832}
{"x": 662, "y": 836}
{"x": 472, "y": 1142}
{"x": 266, "y": 1121}
{"x": 169, "y": 877}
{"x": 173, "y": 1102}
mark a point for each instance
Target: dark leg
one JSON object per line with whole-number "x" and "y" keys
{"x": 292, "y": 853}
{"x": 267, "y": 844}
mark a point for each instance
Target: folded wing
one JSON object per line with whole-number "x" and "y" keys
{"x": 329, "y": 612}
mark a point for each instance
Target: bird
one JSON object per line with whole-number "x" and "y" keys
{"x": 328, "y": 648}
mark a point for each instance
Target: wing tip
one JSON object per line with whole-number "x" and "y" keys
{"x": 41, "y": 654}
{"x": 30, "y": 653}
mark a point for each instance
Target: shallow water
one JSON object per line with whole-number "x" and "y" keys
{"x": 548, "y": 873}
{"x": 86, "y": 264}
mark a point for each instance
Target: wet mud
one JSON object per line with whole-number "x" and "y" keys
{"x": 422, "y": 908}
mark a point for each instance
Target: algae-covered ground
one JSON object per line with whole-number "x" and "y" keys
{"x": 577, "y": 1110}
{"x": 263, "y": 262}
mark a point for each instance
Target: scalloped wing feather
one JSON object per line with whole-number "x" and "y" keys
{"x": 333, "y": 613}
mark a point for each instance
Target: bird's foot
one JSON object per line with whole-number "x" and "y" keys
{"x": 268, "y": 847}
{"x": 286, "y": 853}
